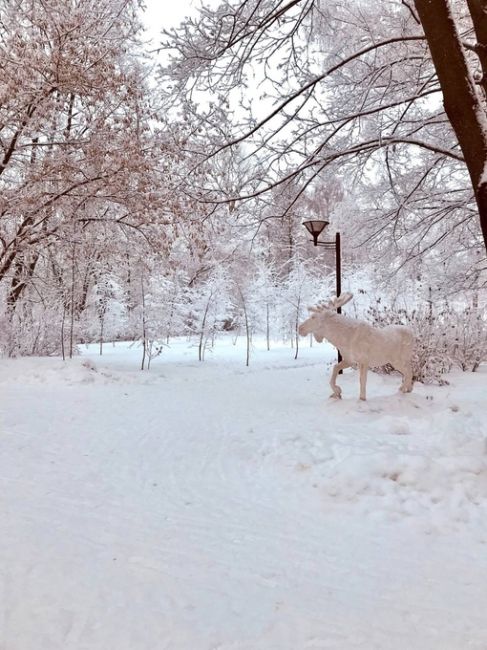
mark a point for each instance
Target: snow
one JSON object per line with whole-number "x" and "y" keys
{"x": 217, "y": 507}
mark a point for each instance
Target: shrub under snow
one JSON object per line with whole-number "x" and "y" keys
{"x": 444, "y": 339}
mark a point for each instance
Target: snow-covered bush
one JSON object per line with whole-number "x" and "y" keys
{"x": 444, "y": 339}
{"x": 468, "y": 338}
{"x": 31, "y": 331}
{"x": 431, "y": 359}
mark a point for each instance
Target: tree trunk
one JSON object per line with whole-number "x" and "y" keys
{"x": 62, "y": 332}
{"x": 72, "y": 296}
{"x": 296, "y": 327}
{"x": 247, "y": 331}
{"x": 102, "y": 327}
{"x": 478, "y": 12}
{"x": 144, "y": 323}
{"x": 461, "y": 98}
{"x": 23, "y": 272}
{"x": 201, "y": 347}
{"x": 267, "y": 326}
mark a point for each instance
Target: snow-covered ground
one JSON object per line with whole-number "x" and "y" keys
{"x": 217, "y": 507}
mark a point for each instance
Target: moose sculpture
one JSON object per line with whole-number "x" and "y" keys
{"x": 360, "y": 343}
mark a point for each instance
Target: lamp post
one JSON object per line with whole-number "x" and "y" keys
{"x": 315, "y": 228}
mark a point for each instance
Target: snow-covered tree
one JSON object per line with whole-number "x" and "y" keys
{"x": 354, "y": 87}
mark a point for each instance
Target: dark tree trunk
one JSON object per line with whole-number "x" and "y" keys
{"x": 478, "y": 12}
{"x": 461, "y": 98}
{"x": 23, "y": 272}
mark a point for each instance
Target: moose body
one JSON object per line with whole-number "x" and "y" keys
{"x": 360, "y": 343}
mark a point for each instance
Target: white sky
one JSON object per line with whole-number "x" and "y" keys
{"x": 163, "y": 14}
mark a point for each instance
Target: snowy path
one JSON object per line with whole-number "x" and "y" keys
{"x": 211, "y": 507}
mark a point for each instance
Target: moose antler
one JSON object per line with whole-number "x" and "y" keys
{"x": 333, "y": 304}
{"x": 343, "y": 298}
{"x": 321, "y": 306}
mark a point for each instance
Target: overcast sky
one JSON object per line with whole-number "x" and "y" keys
{"x": 162, "y": 14}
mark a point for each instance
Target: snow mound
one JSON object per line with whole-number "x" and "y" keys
{"x": 429, "y": 469}
{"x": 48, "y": 371}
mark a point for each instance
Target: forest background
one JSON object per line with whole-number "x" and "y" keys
{"x": 153, "y": 188}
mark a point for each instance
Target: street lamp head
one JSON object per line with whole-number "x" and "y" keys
{"x": 315, "y": 228}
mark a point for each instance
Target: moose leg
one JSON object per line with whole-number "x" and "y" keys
{"x": 407, "y": 379}
{"x": 363, "y": 379}
{"x": 337, "y": 391}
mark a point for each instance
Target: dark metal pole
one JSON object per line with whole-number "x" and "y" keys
{"x": 338, "y": 253}
{"x": 338, "y": 262}
{"x": 338, "y": 259}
